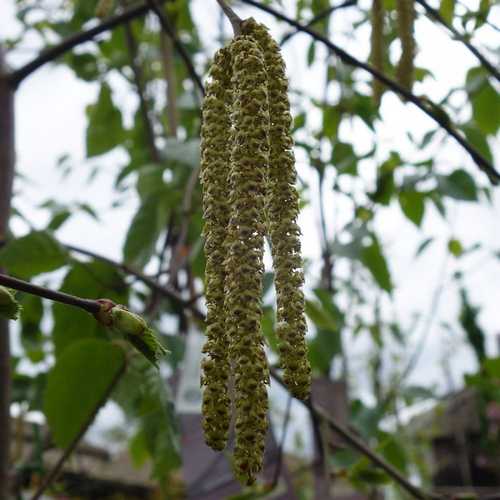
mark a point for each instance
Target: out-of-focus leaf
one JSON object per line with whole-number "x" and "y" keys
{"x": 36, "y": 253}
{"x": 413, "y": 206}
{"x": 373, "y": 258}
{"x": 105, "y": 129}
{"x": 78, "y": 385}
{"x": 459, "y": 185}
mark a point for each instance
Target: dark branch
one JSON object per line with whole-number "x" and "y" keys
{"x": 166, "y": 26}
{"x": 51, "y": 53}
{"x": 234, "y": 19}
{"x": 434, "y": 14}
{"x": 49, "y": 479}
{"x": 319, "y": 17}
{"x": 91, "y": 306}
{"x": 150, "y": 282}
{"x": 360, "y": 446}
{"x": 139, "y": 85}
{"x": 427, "y": 107}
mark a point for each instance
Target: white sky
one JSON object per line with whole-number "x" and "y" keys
{"x": 50, "y": 112}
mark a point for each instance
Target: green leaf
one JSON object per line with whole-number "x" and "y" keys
{"x": 446, "y": 10}
{"x": 36, "y": 253}
{"x": 413, "y": 205}
{"x": 477, "y": 139}
{"x": 105, "y": 129}
{"x": 144, "y": 230}
{"x": 78, "y": 386}
{"x": 455, "y": 247}
{"x": 492, "y": 367}
{"x": 322, "y": 348}
{"x": 344, "y": 159}
{"x": 486, "y": 108}
{"x": 373, "y": 258}
{"x": 9, "y": 306}
{"x": 458, "y": 185}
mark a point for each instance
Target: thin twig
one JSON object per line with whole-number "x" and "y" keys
{"x": 52, "y": 53}
{"x": 427, "y": 107}
{"x": 434, "y": 14}
{"x": 356, "y": 443}
{"x": 279, "y": 460}
{"x": 91, "y": 306}
{"x": 49, "y": 479}
{"x": 150, "y": 282}
{"x": 234, "y": 19}
{"x": 165, "y": 24}
{"x": 319, "y": 17}
{"x": 139, "y": 85}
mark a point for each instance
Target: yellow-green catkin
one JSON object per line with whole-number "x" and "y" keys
{"x": 244, "y": 264}
{"x": 282, "y": 207}
{"x": 377, "y": 47}
{"x": 215, "y": 158}
{"x": 405, "y": 71}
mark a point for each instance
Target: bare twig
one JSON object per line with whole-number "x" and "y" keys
{"x": 434, "y": 14}
{"x": 139, "y": 85}
{"x": 170, "y": 78}
{"x": 52, "y": 53}
{"x": 279, "y": 461}
{"x": 165, "y": 24}
{"x": 426, "y": 106}
{"x": 91, "y": 306}
{"x": 49, "y": 479}
{"x": 234, "y": 19}
{"x": 319, "y": 17}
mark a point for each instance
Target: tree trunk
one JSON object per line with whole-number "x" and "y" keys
{"x": 6, "y": 180}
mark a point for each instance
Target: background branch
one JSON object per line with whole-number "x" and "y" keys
{"x": 434, "y": 14}
{"x": 165, "y": 24}
{"x": 139, "y": 85}
{"x": 360, "y": 446}
{"x": 52, "y": 53}
{"x": 426, "y": 106}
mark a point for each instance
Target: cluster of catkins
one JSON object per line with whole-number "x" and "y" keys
{"x": 405, "y": 71}
{"x": 248, "y": 179}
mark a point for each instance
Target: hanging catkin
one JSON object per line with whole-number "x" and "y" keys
{"x": 377, "y": 47}
{"x": 248, "y": 179}
{"x": 244, "y": 265}
{"x": 282, "y": 206}
{"x": 406, "y": 17}
{"x": 215, "y": 158}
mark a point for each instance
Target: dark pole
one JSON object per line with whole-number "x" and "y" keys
{"x": 7, "y": 160}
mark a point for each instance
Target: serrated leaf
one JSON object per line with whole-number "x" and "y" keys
{"x": 78, "y": 385}
{"x": 36, "y": 253}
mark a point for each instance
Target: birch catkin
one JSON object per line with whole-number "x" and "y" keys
{"x": 405, "y": 71}
{"x": 244, "y": 266}
{"x": 282, "y": 206}
{"x": 248, "y": 177}
{"x": 215, "y": 144}
{"x": 377, "y": 47}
